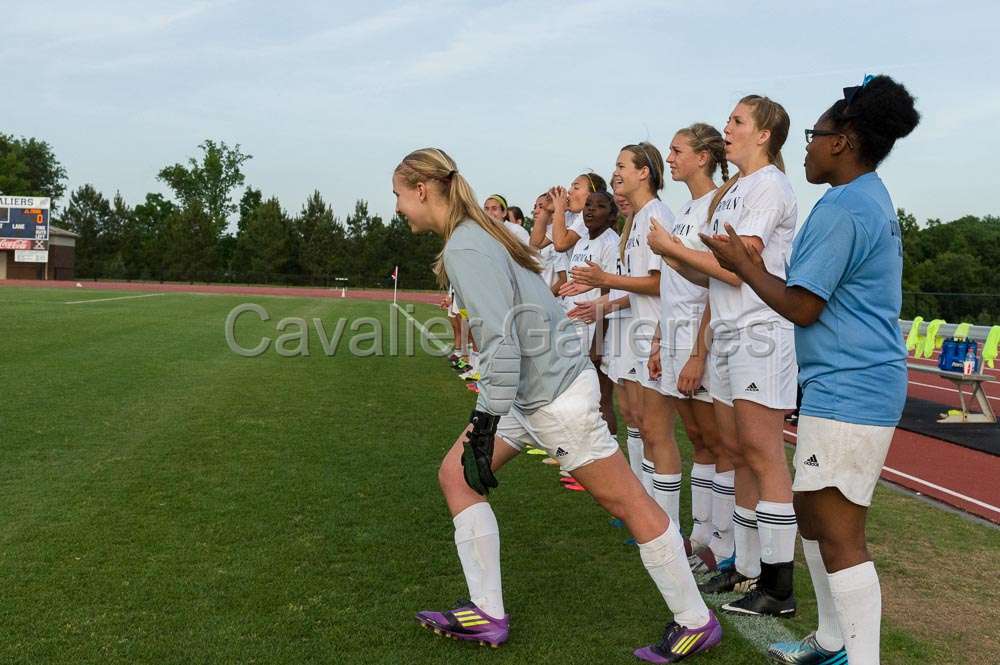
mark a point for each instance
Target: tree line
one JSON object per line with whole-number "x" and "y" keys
{"x": 188, "y": 236}
{"x": 959, "y": 259}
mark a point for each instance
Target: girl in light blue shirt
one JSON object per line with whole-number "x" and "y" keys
{"x": 843, "y": 293}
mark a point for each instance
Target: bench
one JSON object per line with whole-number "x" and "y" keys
{"x": 961, "y": 381}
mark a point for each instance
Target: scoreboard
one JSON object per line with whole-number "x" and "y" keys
{"x": 24, "y": 217}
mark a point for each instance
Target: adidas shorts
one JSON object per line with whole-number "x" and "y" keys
{"x": 641, "y": 333}
{"x": 672, "y": 361}
{"x": 570, "y": 429}
{"x": 612, "y": 356}
{"x": 848, "y": 456}
{"x": 757, "y": 365}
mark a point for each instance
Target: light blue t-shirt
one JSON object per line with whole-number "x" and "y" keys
{"x": 852, "y": 360}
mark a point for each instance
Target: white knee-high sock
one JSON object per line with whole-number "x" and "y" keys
{"x": 723, "y": 504}
{"x": 477, "y": 538}
{"x": 828, "y": 629}
{"x": 857, "y": 596}
{"x": 665, "y": 561}
{"x": 701, "y": 503}
{"x": 667, "y": 493}
{"x": 776, "y": 526}
{"x": 747, "y": 542}
{"x": 634, "y": 443}
{"x": 647, "y": 475}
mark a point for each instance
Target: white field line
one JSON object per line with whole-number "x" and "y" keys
{"x": 953, "y": 390}
{"x": 80, "y": 302}
{"x": 423, "y": 331}
{"x": 931, "y": 485}
{"x": 761, "y": 632}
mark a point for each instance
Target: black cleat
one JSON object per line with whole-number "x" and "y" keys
{"x": 760, "y": 603}
{"x": 728, "y": 580}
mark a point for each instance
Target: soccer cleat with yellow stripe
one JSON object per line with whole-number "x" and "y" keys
{"x": 468, "y": 623}
{"x": 679, "y": 642}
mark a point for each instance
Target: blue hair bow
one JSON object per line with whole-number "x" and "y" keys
{"x": 852, "y": 92}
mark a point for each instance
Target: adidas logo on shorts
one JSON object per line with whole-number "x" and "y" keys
{"x": 560, "y": 452}
{"x": 632, "y": 371}
{"x": 812, "y": 461}
{"x": 752, "y": 388}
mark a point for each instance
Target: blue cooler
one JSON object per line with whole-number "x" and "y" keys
{"x": 954, "y": 352}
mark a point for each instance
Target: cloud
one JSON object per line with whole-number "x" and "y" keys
{"x": 499, "y": 33}
{"x": 87, "y": 24}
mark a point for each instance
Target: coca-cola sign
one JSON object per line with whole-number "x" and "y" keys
{"x": 15, "y": 243}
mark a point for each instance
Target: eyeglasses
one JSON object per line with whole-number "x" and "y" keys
{"x": 812, "y": 133}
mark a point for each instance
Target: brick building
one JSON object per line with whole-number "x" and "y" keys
{"x": 62, "y": 253}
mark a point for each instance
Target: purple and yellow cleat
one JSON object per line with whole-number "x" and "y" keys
{"x": 467, "y": 622}
{"x": 679, "y": 642}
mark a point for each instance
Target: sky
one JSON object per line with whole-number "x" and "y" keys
{"x": 329, "y": 96}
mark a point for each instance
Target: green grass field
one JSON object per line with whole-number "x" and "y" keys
{"x": 164, "y": 500}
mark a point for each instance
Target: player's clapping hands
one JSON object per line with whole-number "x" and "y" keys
{"x": 590, "y": 275}
{"x": 587, "y": 311}
{"x": 559, "y": 198}
{"x": 661, "y": 241}
{"x": 733, "y": 253}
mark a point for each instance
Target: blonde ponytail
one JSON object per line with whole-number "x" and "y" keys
{"x": 623, "y": 239}
{"x": 434, "y": 166}
{"x": 719, "y": 193}
{"x": 778, "y": 161}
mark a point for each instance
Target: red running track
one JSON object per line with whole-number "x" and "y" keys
{"x": 960, "y": 477}
{"x": 431, "y": 297}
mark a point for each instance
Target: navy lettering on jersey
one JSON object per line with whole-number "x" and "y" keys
{"x": 728, "y": 203}
{"x": 897, "y": 233}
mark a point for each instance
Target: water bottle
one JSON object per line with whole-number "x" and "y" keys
{"x": 970, "y": 361}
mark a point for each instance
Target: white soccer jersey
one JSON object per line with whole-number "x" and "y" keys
{"x": 602, "y": 250}
{"x": 575, "y": 223}
{"x": 615, "y": 294}
{"x": 761, "y": 204}
{"x": 640, "y": 260}
{"x": 553, "y": 263}
{"x": 682, "y": 302}
{"x": 519, "y": 232}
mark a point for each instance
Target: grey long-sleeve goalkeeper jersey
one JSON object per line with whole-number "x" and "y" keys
{"x": 529, "y": 352}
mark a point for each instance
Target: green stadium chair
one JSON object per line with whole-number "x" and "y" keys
{"x": 913, "y": 338}
{"x": 931, "y": 340}
{"x": 990, "y": 346}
